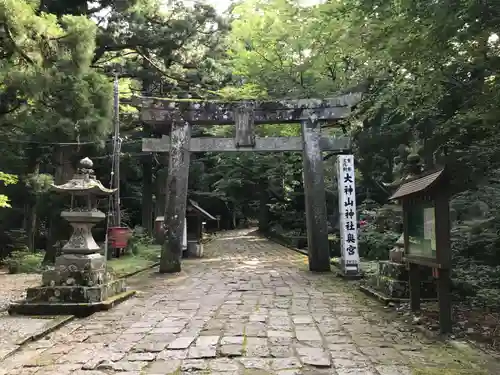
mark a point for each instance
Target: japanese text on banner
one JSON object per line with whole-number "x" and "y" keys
{"x": 347, "y": 211}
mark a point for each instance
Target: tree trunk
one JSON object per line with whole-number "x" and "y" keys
{"x": 264, "y": 208}
{"x": 147, "y": 193}
{"x": 32, "y": 213}
{"x": 64, "y": 172}
{"x": 32, "y": 220}
{"x": 234, "y": 218}
{"x": 161, "y": 185}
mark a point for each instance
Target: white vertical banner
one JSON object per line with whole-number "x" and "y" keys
{"x": 347, "y": 214}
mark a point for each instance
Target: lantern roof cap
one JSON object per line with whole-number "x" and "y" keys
{"x": 83, "y": 182}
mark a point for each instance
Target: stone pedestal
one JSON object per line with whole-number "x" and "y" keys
{"x": 353, "y": 274}
{"x": 79, "y": 282}
{"x": 391, "y": 283}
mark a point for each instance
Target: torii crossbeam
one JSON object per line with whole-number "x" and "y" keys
{"x": 174, "y": 119}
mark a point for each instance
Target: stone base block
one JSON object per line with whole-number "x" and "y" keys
{"x": 27, "y": 307}
{"x": 399, "y": 271}
{"x": 393, "y": 270}
{"x": 76, "y": 293}
{"x": 194, "y": 249}
{"x": 350, "y": 276}
{"x": 398, "y": 289}
{"x": 76, "y": 269}
{"x": 391, "y": 288}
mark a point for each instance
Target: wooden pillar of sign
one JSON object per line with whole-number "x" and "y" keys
{"x": 177, "y": 188}
{"x": 315, "y": 200}
{"x": 443, "y": 274}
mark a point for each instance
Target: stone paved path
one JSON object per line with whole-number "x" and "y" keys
{"x": 250, "y": 307}
{"x": 14, "y": 286}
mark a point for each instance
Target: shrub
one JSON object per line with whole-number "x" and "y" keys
{"x": 23, "y": 261}
{"x": 375, "y": 245}
{"x": 139, "y": 239}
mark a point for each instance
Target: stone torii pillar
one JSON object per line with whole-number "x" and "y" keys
{"x": 176, "y": 200}
{"x": 315, "y": 198}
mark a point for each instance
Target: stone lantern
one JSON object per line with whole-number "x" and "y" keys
{"x": 80, "y": 282}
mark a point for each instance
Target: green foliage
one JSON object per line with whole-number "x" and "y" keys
{"x": 7, "y": 179}
{"x": 138, "y": 241}
{"x": 56, "y": 59}
{"x": 24, "y": 261}
{"x": 125, "y": 265}
{"x": 375, "y": 245}
{"x": 39, "y": 183}
{"x": 49, "y": 89}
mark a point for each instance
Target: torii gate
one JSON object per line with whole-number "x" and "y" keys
{"x": 175, "y": 117}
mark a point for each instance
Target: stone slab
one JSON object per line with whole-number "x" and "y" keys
{"x": 16, "y": 331}
{"x": 78, "y": 309}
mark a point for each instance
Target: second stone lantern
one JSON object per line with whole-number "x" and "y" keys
{"x": 80, "y": 282}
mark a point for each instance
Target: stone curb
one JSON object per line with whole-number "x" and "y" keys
{"x": 130, "y": 274}
{"x": 283, "y": 243}
{"x": 374, "y": 294}
{"x": 46, "y": 330}
{"x": 336, "y": 269}
{"x": 156, "y": 264}
{"x": 51, "y": 327}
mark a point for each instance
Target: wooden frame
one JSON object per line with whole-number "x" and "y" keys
{"x": 429, "y": 189}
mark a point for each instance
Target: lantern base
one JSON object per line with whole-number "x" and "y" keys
{"x": 82, "y": 309}
{"x": 79, "y": 284}
{"x": 77, "y": 269}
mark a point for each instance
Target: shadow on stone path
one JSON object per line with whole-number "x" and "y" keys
{"x": 249, "y": 307}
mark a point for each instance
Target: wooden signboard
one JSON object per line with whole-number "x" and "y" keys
{"x": 426, "y": 223}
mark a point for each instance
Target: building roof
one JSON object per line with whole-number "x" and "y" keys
{"x": 417, "y": 185}
{"x": 197, "y": 207}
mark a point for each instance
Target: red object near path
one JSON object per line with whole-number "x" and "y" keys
{"x": 118, "y": 237}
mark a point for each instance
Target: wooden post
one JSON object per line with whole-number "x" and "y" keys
{"x": 444, "y": 258}
{"x": 414, "y": 275}
{"x": 444, "y": 300}
{"x": 177, "y": 187}
{"x": 315, "y": 200}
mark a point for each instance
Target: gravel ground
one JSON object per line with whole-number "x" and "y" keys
{"x": 13, "y": 287}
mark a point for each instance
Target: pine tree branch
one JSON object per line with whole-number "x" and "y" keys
{"x": 15, "y": 46}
